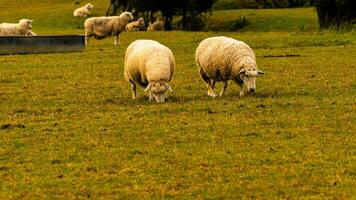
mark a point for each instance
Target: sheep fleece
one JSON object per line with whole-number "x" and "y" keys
{"x": 148, "y": 60}
{"x": 221, "y": 57}
{"x": 21, "y": 28}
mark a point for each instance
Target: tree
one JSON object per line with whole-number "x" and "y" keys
{"x": 336, "y": 13}
{"x": 189, "y": 10}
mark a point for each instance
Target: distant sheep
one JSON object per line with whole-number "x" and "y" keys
{"x": 83, "y": 11}
{"x": 102, "y": 27}
{"x": 136, "y": 25}
{"x": 151, "y": 65}
{"x": 222, "y": 59}
{"x": 156, "y": 26}
{"x": 22, "y": 28}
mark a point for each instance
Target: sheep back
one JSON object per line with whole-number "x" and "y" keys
{"x": 22, "y": 28}
{"x": 148, "y": 60}
{"x": 101, "y": 27}
{"x": 222, "y": 58}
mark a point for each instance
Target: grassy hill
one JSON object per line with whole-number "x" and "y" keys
{"x": 57, "y": 17}
{"x": 299, "y": 19}
{"x": 70, "y": 130}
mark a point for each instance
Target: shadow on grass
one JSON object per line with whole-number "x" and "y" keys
{"x": 201, "y": 97}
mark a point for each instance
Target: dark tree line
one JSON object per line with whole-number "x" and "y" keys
{"x": 336, "y": 13}
{"x": 189, "y": 10}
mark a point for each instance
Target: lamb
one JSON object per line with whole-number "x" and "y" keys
{"x": 83, "y": 11}
{"x": 149, "y": 64}
{"x": 156, "y": 26}
{"x": 102, "y": 27}
{"x": 136, "y": 25}
{"x": 222, "y": 59}
{"x": 23, "y": 27}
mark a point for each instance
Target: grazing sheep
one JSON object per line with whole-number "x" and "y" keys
{"x": 222, "y": 59}
{"x": 151, "y": 65}
{"x": 102, "y": 27}
{"x": 83, "y": 11}
{"x": 22, "y": 28}
{"x": 156, "y": 26}
{"x": 136, "y": 25}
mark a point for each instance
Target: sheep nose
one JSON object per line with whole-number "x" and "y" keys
{"x": 252, "y": 89}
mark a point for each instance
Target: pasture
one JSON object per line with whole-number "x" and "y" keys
{"x": 69, "y": 128}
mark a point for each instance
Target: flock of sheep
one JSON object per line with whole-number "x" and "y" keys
{"x": 219, "y": 59}
{"x": 151, "y": 65}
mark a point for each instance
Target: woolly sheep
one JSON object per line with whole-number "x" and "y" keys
{"x": 136, "y": 25}
{"x": 23, "y": 27}
{"x": 83, "y": 11}
{"x": 156, "y": 26}
{"x": 222, "y": 59}
{"x": 102, "y": 27}
{"x": 149, "y": 64}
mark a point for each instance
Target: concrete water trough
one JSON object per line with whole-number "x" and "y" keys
{"x": 41, "y": 44}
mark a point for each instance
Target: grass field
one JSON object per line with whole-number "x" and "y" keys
{"x": 69, "y": 128}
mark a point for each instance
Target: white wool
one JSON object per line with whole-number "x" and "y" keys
{"x": 83, "y": 11}
{"x": 156, "y": 26}
{"x": 23, "y": 27}
{"x": 149, "y": 62}
{"x": 136, "y": 25}
{"x": 102, "y": 27}
{"x": 222, "y": 59}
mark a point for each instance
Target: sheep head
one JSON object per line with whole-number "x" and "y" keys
{"x": 157, "y": 90}
{"x": 25, "y": 23}
{"x": 127, "y": 15}
{"x": 141, "y": 21}
{"x": 89, "y": 6}
{"x": 247, "y": 75}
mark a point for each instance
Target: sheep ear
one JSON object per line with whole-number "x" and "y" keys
{"x": 260, "y": 72}
{"x": 241, "y": 71}
{"x": 148, "y": 87}
{"x": 168, "y": 87}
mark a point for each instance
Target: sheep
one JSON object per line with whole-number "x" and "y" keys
{"x": 102, "y": 27}
{"x": 23, "y": 27}
{"x": 156, "y": 26}
{"x": 149, "y": 64}
{"x": 136, "y": 25}
{"x": 83, "y": 11}
{"x": 222, "y": 59}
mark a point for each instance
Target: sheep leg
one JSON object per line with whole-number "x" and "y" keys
{"x": 212, "y": 84}
{"x": 207, "y": 83}
{"x": 242, "y": 90}
{"x": 150, "y": 96}
{"x": 116, "y": 40}
{"x": 223, "y": 88}
{"x": 86, "y": 36}
{"x": 133, "y": 89}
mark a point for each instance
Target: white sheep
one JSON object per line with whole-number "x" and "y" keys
{"x": 83, "y": 11}
{"x": 156, "y": 26}
{"x": 23, "y": 27}
{"x": 222, "y": 59}
{"x": 136, "y": 25}
{"x": 102, "y": 27}
{"x": 149, "y": 64}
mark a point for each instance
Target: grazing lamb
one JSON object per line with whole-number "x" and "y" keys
{"x": 222, "y": 59}
{"x": 151, "y": 65}
{"x": 156, "y": 26}
{"x": 22, "y": 28}
{"x": 136, "y": 25}
{"x": 102, "y": 27}
{"x": 83, "y": 11}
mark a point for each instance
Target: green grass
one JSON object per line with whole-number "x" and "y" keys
{"x": 298, "y": 19}
{"x": 69, "y": 128}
